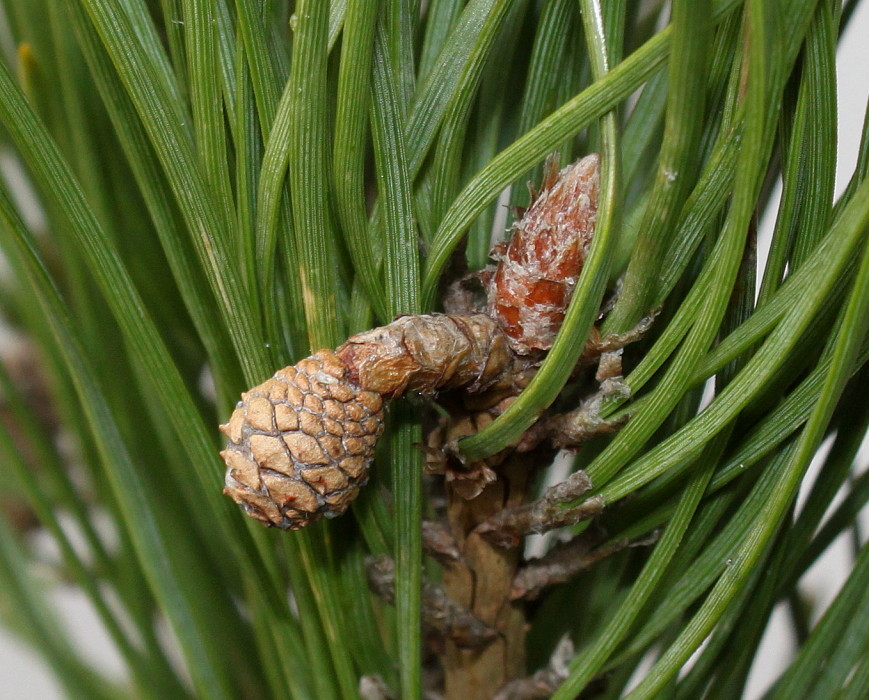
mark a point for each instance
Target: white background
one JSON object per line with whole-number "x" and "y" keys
{"x": 24, "y": 677}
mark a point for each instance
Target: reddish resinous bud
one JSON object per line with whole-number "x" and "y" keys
{"x": 538, "y": 271}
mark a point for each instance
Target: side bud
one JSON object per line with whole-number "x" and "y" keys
{"x": 539, "y": 268}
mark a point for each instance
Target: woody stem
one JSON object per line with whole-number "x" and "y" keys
{"x": 482, "y": 582}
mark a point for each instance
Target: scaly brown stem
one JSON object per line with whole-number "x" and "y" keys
{"x": 483, "y": 582}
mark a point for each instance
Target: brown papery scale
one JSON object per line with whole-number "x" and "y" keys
{"x": 301, "y": 443}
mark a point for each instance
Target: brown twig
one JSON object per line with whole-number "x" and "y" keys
{"x": 564, "y": 561}
{"x": 507, "y": 528}
{"x": 583, "y": 423}
{"x": 440, "y": 613}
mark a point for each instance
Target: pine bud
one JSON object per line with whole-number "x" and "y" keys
{"x": 301, "y": 443}
{"x": 540, "y": 265}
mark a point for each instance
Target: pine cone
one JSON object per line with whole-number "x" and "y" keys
{"x": 300, "y": 444}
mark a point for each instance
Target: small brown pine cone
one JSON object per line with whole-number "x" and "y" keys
{"x": 300, "y": 444}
